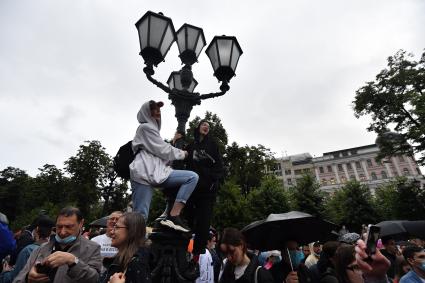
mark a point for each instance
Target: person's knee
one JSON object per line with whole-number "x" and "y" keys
{"x": 194, "y": 176}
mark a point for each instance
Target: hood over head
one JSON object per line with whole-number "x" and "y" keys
{"x": 144, "y": 114}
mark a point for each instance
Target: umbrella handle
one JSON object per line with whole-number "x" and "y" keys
{"x": 290, "y": 260}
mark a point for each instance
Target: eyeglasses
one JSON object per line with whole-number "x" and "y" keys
{"x": 354, "y": 267}
{"x": 118, "y": 227}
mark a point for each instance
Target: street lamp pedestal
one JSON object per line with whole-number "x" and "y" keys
{"x": 169, "y": 255}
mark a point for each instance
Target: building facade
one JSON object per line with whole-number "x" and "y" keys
{"x": 334, "y": 169}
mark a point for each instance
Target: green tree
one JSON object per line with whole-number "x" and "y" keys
{"x": 306, "y": 196}
{"x": 269, "y": 198}
{"x": 401, "y": 199}
{"x": 246, "y": 165}
{"x": 89, "y": 170}
{"x": 396, "y": 102}
{"x": 231, "y": 208}
{"x": 14, "y": 183}
{"x": 352, "y": 206}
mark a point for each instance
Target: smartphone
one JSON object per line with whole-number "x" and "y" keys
{"x": 372, "y": 237}
{"x": 43, "y": 269}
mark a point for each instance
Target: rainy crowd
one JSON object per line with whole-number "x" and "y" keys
{"x": 58, "y": 249}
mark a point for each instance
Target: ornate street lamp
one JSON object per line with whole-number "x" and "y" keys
{"x": 157, "y": 34}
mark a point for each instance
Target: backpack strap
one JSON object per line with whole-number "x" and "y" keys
{"x": 256, "y": 274}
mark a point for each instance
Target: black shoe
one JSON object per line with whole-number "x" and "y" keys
{"x": 176, "y": 223}
{"x": 192, "y": 271}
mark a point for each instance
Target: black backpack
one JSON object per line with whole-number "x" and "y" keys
{"x": 123, "y": 159}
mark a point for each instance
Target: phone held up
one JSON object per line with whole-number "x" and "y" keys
{"x": 372, "y": 237}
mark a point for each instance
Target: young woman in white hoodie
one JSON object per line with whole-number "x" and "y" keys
{"x": 150, "y": 167}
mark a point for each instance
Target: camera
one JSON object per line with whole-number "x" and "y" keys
{"x": 372, "y": 238}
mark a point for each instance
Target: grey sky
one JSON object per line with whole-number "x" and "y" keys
{"x": 70, "y": 71}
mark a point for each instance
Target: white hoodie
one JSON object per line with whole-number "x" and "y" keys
{"x": 150, "y": 166}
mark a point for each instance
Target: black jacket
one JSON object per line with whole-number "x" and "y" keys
{"x": 263, "y": 275}
{"x": 138, "y": 270}
{"x": 205, "y": 159}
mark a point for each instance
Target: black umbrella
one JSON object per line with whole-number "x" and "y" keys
{"x": 393, "y": 228}
{"x": 272, "y": 232}
{"x": 415, "y": 228}
{"x": 101, "y": 222}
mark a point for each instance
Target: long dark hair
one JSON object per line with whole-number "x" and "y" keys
{"x": 136, "y": 232}
{"x": 344, "y": 256}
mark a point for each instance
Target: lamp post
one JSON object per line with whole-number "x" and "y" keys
{"x": 156, "y": 36}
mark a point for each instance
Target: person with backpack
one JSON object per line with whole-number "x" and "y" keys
{"x": 150, "y": 167}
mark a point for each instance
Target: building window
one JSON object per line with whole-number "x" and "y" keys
{"x": 340, "y": 168}
{"x": 384, "y": 175}
{"x": 373, "y": 174}
{"x": 289, "y": 181}
{"x": 369, "y": 163}
{"x": 349, "y": 166}
{"x": 344, "y": 153}
{"x": 277, "y": 166}
{"x": 329, "y": 168}
{"x": 278, "y": 173}
{"x": 358, "y": 166}
{"x": 406, "y": 172}
{"x": 298, "y": 171}
{"x": 321, "y": 170}
{"x": 401, "y": 158}
{"x": 324, "y": 182}
{"x": 343, "y": 179}
{"x": 288, "y": 172}
{"x": 333, "y": 181}
{"x": 352, "y": 177}
{"x": 362, "y": 177}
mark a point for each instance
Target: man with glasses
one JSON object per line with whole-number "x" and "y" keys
{"x": 68, "y": 258}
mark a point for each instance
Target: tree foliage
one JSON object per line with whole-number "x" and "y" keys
{"x": 401, "y": 199}
{"x": 396, "y": 102}
{"x": 269, "y": 198}
{"x": 351, "y": 206}
{"x": 246, "y": 165}
{"x": 306, "y": 196}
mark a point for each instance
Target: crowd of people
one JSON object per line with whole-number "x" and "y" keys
{"x": 58, "y": 251}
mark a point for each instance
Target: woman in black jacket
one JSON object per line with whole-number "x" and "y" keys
{"x": 131, "y": 264}
{"x": 205, "y": 159}
{"x": 239, "y": 265}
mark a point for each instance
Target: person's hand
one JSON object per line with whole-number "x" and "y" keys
{"x": 177, "y": 136}
{"x": 33, "y": 276}
{"x": 117, "y": 278}
{"x": 57, "y": 259}
{"x": 7, "y": 267}
{"x": 375, "y": 266}
{"x": 292, "y": 277}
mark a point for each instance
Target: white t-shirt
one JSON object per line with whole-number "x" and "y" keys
{"x": 105, "y": 246}
{"x": 206, "y": 268}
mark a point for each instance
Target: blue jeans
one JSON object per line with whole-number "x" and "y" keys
{"x": 142, "y": 194}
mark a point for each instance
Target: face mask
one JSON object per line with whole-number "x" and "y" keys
{"x": 296, "y": 257}
{"x": 66, "y": 240}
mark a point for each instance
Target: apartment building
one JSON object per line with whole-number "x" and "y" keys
{"x": 334, "y": 169}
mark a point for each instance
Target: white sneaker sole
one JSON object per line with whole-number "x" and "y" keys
{"x": 170, "y": 224}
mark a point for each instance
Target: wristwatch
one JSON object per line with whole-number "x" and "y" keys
{"x": 76, "y": 261}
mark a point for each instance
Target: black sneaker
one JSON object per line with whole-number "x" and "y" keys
{"x": 176, "y": 223}
{"x": 192, "y": 271}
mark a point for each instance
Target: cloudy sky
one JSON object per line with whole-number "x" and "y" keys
{"x": 70, "y": 71}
